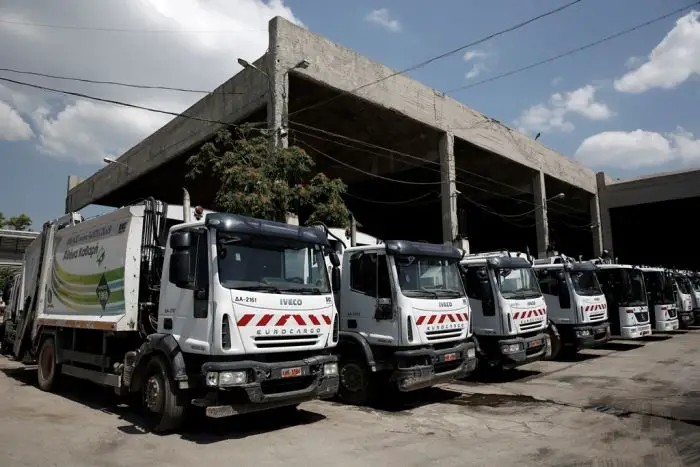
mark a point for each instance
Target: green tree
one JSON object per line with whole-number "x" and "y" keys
{"x": 3, "y": 221}
{"x": 21, "y": 222}
{"x": 6, "y": 274}
{"x": 258, "y": 180}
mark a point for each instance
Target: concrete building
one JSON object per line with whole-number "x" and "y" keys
{"x": 13, "y": 243}
{"x": 316, "y": 92}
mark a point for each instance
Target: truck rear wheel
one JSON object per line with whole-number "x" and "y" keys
{"x": 47, "y": 368}
{"x": 164, "y": 408}
{"x": 554, "y": 346}
{"x": 357, "y": 385}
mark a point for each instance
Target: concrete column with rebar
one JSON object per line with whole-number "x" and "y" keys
{"x": 541, "y": 222}
{"x": 448, "y": 190}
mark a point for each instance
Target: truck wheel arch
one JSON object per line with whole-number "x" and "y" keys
{"x": 353, "y": 343}
{"x": 166, "y": 346}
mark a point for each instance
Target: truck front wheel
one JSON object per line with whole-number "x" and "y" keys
{"x": 554, "y": 346}
{"x": 164, "y": 408}
{"x": 356, "y": 383}
{"x": 47, "y": 368}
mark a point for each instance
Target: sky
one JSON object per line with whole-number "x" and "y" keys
{"x": 627, "y": 107}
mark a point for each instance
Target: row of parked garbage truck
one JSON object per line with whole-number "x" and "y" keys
{"x": 177, "y": 307}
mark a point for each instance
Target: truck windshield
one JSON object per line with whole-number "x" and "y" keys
{"x": 585, "y": 283}
{"x": 623, "y": 286}
{"x": 517, "y": 283}
{"x": 682, "y": 285}
{"x": 266, "y": 264}
{"x": 695, "y": 282}
{"x": 428, "y": 277}
{"x": 660, "y": 287}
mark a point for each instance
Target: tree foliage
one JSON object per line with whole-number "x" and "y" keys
{"x": 6, "y": 274}
{"x": 264, "y": 182}
{"x": 20, "y": 222}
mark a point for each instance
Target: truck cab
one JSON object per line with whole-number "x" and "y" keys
{"x": 405, "y": 321}
{"x": 661, "y": 298}
{"x": 508, "y": 309}
{"x": 576, "y": 305}
{"x": 684, "y": 298}
{"x": 694, "y": 278}
{"x": 626, "y": 296}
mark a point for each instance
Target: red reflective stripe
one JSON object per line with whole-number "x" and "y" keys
{"x": 300, "y": 321}
{"x": 442, "y": 319}
{"x": 459, "y": 317}
{"x": 314, "y": 320}
{"x": 432, "y": 319}
{"x": 245, "y": 319}
{"x": 326, "y": 318}
{"x": 466, "y": 316}
{"x": 283, "y": 320}
{"x": 420, "y": 320}
{"x": 265, "y": 320}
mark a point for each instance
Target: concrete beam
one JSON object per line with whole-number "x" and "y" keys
{"x": 448, "y": 188}
{"x": 541, "y": 221}
{"x": 177, "y": 136}
{"x": 73, "y": 181}
{"x": 597, "y": 229}
{"x": 653, "y": 189}
{"x": 343, "y": 69}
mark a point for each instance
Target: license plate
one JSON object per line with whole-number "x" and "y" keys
{"x": 645, "y": 333}
{"x": 291, "y": 372}
{"x": 535, "y": 343}
{"x": 450, "y": 357}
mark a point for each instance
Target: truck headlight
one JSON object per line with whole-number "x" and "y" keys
{"x": 330, "y": 369}
{"x": 583, "y": 333}
{"x": 226, "y": 378}
{"x": 511, "y": 348}
{"x": 471, "y": 353}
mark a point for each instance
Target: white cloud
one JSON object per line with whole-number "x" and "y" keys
{"x": 381, "y": 17}
{"x": 472, "y": 54}
{"x": 478, "y": 58}
{"x": 557, "y": 80}
{"x": 639, "y": 149}
{"x": 476, "y": 70}
{"x": 202, "y": 56}
{"x": 672, "y": 62}
{"x": 553, "y": 115}
{"x": 12, "y": 125}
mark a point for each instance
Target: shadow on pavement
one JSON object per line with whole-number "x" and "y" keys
{"x": 198, "y": 428}
{"x": 577, "y": 357}
{"x": 620, "y": 346}
{"x": 656, "y": 337}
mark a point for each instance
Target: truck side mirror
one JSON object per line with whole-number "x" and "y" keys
{"x": 335, "y": 261}
{"x": 384, "y": 309}
{"x": 180, "y": 273}
{"x": 564, "y": 297}
{"x": 335, "y": 279}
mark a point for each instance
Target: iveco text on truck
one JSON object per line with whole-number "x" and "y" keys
{"x": 508, "y": 309}
{"x": 626, "y": 296}
{"x": 661, "y": 298}
{"x": 404, "y": 316}
{"x": 576, "y": 306}
{"x": 225, "y": 313}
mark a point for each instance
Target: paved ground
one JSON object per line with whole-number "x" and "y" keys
{"x": 627, "y": 404}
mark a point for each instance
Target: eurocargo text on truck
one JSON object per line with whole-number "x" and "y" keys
{"x": 508, "y": 309}
{"x": 576, "y": 305}
{"x": 405, "y": 322}
{"x": 225, "y": 313}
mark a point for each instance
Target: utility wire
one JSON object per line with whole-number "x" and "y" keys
{"x": 124, "y": 104}
{"x": 394, "y": 203}
{"x": 113, "y": 83}
{"x": 441, "y": 56}
{"x": 572, "y": 51}
{"x": 105, "y": 29}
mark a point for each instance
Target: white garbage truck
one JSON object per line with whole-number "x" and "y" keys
{"x": 508, "y": 309}
{"x": 405, "y": 322}
{"x": 626, "y": 297}
{"x": 221, "y": 313}
{"x": 694, "y": 277}
{"x": 661, "y": 298}
{"x": 684, "y": 298}
{"x": 576, "y": 306}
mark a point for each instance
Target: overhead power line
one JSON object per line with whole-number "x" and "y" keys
{"x": 572, "y": 51}
{"x": 113, "y": 83}
{"x": 106, "y": 29}
{"x": 123, "y": 104}
{"x": 440, "y": 56}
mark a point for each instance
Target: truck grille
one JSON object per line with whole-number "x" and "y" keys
{"x": 270, "y": 342}
{"x": 528, "y": 326}
{"x": 642, "y": 316}
{"x": 443, "y": 334}
{"x": 672, "y": 313}
{"x": 597, "y": 316}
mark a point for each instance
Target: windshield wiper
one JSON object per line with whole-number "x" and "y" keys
{"x": 305, "y": 290}
{"x": 450, "y": 292}
{"x": 265, "y": 287}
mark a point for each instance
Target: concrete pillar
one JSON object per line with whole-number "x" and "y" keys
{"x": 596, "y": 229}
{"x": 278, "y": 79}
{"x": 448, "y": 190}
{"x": 73, "y": 181}
{"x": 541, "y": 223}
{"x": 605, "y": 225}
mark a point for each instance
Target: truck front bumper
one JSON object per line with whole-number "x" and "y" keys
{"x": 670, "y": 325}
{"x": 446, "y": 365}
{"x": 521, "y": 350}
{"x": 635, "y": 332}
{"x": 270, "y": 385}
{"x": 591, "y": 335}
{"x": 685, "y": 318}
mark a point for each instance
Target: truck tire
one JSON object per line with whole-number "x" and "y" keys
{"x": 357, "y": 383}
{"x": 554, "y": 347}
{"x": 47, "y": 369}
{"x": 164, "y": 407}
